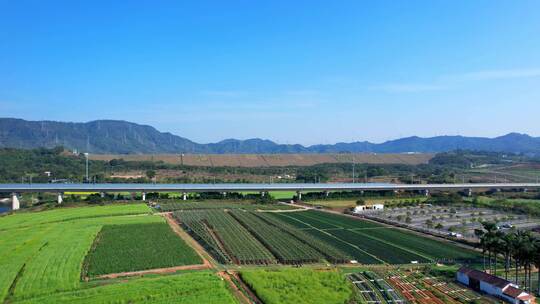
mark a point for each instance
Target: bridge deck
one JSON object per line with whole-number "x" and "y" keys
{"x": 253, "y": 187}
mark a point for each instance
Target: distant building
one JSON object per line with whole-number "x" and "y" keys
{"x": 364, "y": 208}
{"x": 455, "y": 234}
{"x": 494, "y": 286}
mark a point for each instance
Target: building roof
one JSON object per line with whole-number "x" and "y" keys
{"x": 484, "y": 277}
{"x": 513, "y": 292}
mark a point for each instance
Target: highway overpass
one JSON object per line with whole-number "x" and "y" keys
{"x": 59, "y": 189}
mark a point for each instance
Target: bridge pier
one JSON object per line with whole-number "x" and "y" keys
{"x": 224, "y": 194}
{"x": 15, "y": 204}
{"x": 144, "y": 196}
{"x": 262, "y": 193}
{"x": 102, "y": 194}
{"x": 299, "y": 195}
{"x": 184, "y": 196}
{"x": 326, "y": 193}
{"x": 426, "y": 192}
{"x": 60, "y": 197}
{"x": 468, "y": 192}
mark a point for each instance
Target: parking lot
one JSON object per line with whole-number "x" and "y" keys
{"x": 461, "y": 221}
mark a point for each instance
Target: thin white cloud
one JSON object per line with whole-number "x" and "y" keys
{"x": 225, "y": 93}
{"x": 408, "y": 87}
{"x": 498, "y": 74}
{"x": 302, "y": 92}
{"x": 448, "y": 81}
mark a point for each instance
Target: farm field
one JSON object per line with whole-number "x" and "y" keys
{"x": 133, "y": 247}
{"x": 271, "y": 160}
{"x": 47, "y": 259}
{"x": 386, "y": 244}
{"x": 247, "y": 237}
{"x": 219, "y": 233}
{"x": 420, "y": 287}
{"x": 24, "y": 219}
{"x": 244, "y": 237}
{"x": 372, "y": 289}
{"x": 341, "y": 204}
{"x": 287, "y": 286}
{"x": 188, "y": 288}
{"x": 167, "y": 207}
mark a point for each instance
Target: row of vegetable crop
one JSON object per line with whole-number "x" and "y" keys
{"x": 194, "y": 224}
{"x": 227, "y": 236}
{"x": 331, "y": 253}
{"x": 287, "y": 249}
{"x": 246, "y": 237}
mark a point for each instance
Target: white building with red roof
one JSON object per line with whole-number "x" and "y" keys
{"x": 494, "y": 286}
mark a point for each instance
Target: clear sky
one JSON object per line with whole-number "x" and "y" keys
{"x": 290, "y": 71}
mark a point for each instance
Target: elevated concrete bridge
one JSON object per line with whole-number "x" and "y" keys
{"x": 60, "y": 189}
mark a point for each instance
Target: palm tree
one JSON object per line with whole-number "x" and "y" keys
{"x": 489, "y": 239}
{"x": 480, "y": 235}
{"x": 536, "y": 244}
{"x": 508, "y": 250}
{"x": 516, "y": 254}
{"x": 525, "y": 253}
{"x": 497, "y": 247}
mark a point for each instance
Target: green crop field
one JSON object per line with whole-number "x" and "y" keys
{"x": 67, "y": 214}
{"x": 331, "y": 253}
{"x": 121, "y": 248}
{"x": 224, "y": 237}
{"x": 189, "y": 288}
{"x": 167, "y": 207}
{"x": 353, "y": 251}
{"x": 286, "y": 248}
{"x": 46, "y": 260}
{"x": 244, "y": 237}
{"x": 298, "y": 286}
{"x": 283, "y": 195}
{"x": 49, "y": 258}
{"x": 369, "y": 239}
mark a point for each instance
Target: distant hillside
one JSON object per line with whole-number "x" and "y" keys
{"x": 122, "y": 137}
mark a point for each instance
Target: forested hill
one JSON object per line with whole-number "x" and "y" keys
{"x": 121, "y": 137}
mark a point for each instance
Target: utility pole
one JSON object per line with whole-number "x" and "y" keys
{"x": 365, "y": 176}
{"x": 86, "y": 156}
{"x": 353, "y": 165}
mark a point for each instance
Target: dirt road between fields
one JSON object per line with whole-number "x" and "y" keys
{"x": 155, "y": 271}
{"x": 207, "y": 259}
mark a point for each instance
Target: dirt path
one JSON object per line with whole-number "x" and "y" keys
{"x": 207, "y": 259}
{"x": 156, "y": 271}
{"x": 236, "y": 291}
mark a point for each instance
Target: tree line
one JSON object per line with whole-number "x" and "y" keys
{"x": 517, "y": 248}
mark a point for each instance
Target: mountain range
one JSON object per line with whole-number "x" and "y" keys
{"x": 122, "y": 137}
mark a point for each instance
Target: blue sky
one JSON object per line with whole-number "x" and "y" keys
{"x": 290, "y": 71}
